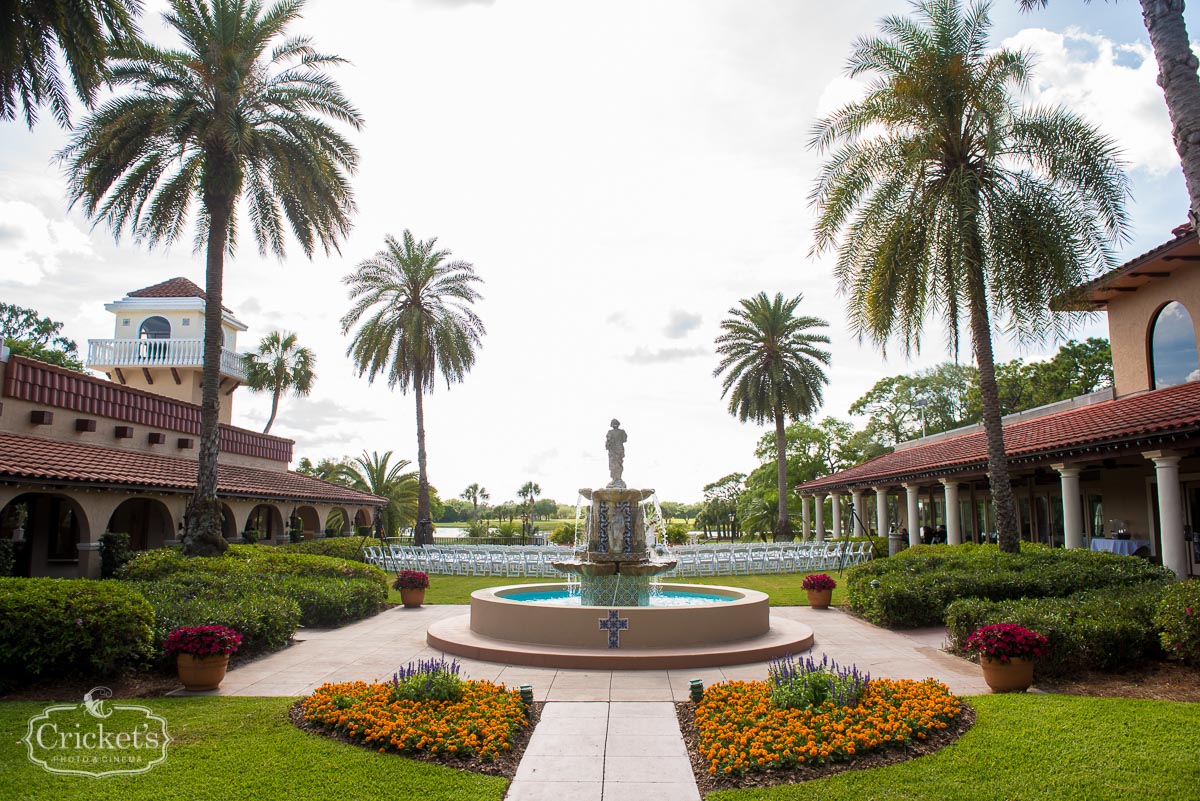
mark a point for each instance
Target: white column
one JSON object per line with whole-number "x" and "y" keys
{"x": 856, "y": 498}
{"x": 881, "y": 518}
{"x": 953, "y": 531}
{"x": 837, "y": 514}
{"x": 914, "y": 529}
{"x": 1170, "y": 511}
{"x": 820, "y": 516}
{"x": 1072, "y": 505}
{"x": 807, "y": 527}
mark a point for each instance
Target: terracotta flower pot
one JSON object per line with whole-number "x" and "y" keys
{"x": 412, "y": 598}
{"x": 201, "y": 672}
{"x": 1013, "y": 676}
{"x": 819, "y": 599}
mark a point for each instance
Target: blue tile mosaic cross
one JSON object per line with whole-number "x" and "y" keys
{"x": 614, "y": 624}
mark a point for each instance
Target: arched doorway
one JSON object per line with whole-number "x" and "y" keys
{"x": 361, "y": 519}
{"x": 146, "y": 520}
{"x": 338, "y": 523}
{"x": 266, "y": 521}
{"x": 228, "y": 523}
{"x": 54, "y": 525}
{"x": 1174, "y": 358}
{"x": 308, "y": 520}
{"x": 154, "y": 328}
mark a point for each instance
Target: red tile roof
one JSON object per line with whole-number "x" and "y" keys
{"x": 50, "y": 385}
{"x": 50, "y": 461}
{"x": 1145, "y": 421}
{"x": 178, "y": 287}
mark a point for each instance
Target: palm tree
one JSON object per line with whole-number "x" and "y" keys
{"x": 951, "y": 200}
{"x": 372, "y": 473}
{"x": 772, "y": 368}
{"x": 475, "y": 494}
{"x": 237, "y": 112}
{"x": 34, "y": 33}
{"x": 418, "y": 323}
{"x": 1177, "y": 75}
{"x": 529, "y": 491}
{"x": 278, "y": 366}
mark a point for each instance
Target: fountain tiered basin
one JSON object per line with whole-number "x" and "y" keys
{"x": 616, "y": 622}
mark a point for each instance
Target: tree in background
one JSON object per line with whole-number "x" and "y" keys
{"x": 476, "y": 495}
{"x": 34, "y": 34}
{"x": 1180, "y": 83}
{"x": 240, "y": 111}
{"x": 27, "y": 334}
{"x": 947, "y": 198}
{"x": 279, "y": 365}
{"x": 528, "y": 492}
{"x": 377, "y": 475}
{"x": 331, "y": 470}
{"x": 719, "y": 512}
{"x": 418, "y": 323}
{"x": 772, "y": 368}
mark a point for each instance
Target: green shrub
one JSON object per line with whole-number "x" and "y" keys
{"x": 8, "y": 558}
{"x": 879, "y": 546}
{"x": 114, "y": 552}
{"x": 340, "y": 547}
{"x": 1177, "y": 620}
{"x": 251, "y": 537}
{"x": 265, "y": 619}
{"x": 1106, "y": 629}
{"x": 916, "y": 585}
{"x": 563, "y": 534}
{"x": 326, "y": 602}
{"x": 56, "y": 627}
{"x": 676, "y": 533}
{"x": 251, "y": 559}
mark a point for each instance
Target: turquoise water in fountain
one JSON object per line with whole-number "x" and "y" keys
{"x": 657, "y": 598}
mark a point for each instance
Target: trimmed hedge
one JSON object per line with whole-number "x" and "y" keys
{"x": 1108, "y": 629}
{"x": 266, "y": 620}
{"x": 1178, "y": 621}
{"x": 248, "y": 559}
{"x": 918, "y": 584}
{"x": 55, "y": 627}
{"x": 340, "y": 547}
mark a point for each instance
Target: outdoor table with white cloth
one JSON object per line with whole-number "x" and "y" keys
{"x": 1126, "y": 547}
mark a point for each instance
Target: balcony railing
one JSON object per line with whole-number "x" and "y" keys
{"x": 104, "y": 353}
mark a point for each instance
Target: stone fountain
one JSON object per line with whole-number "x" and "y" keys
{"x": 617, "y": 566}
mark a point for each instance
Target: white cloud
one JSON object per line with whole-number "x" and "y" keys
{"x": 679, "y": 323}
{"x": 32, "y": 246}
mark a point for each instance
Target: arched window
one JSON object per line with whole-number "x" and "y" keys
{"x": 155, "y": 328}
{"x": 1174, "y": 358}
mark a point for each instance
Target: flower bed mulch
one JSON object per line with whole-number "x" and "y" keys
{"x": 382, "y": 720}
{"x": 887, "y": 753}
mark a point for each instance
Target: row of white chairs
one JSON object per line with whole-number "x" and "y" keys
{"x": 471, "y": 560}
{"x": 692, "y": 560}
{"x": 762, "y": 559}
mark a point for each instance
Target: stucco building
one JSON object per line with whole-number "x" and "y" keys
{"x": 81, "y": 455}
{"x": 1117, "y": 470}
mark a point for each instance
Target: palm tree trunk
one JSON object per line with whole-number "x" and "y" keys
{"x": 1181, "y": 85}
{"x": 203, "y": 536}
{"x": 421, "y": 534}
{"x": 1002, "y": 495}
{"x": 783, "y": 526}
{"x": 274, "y": 409}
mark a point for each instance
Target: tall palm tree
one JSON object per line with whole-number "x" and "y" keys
{"x": 372, "y": 473}
{"x": 34, "y": 33}
{"x": 948, "y": 199}
{"x": 529, "y": 491}
{"x": 1180, "y": 82}
{"x": 772, "y": 366}
{"x": 239, "y": 111}
{"x": 475, "y": 494}
{"x": 279, "y": 365}
{"x": 417, "y": 322}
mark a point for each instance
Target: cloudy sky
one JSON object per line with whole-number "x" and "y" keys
{"x": 620, "y": 174}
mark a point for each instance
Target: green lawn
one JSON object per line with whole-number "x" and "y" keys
{"x": 783, "y": 588}
{"x": 239, "y": 748}
{"x": 1034, "y": 748}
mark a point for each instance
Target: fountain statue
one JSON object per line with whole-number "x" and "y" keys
{"x": 616, "y": 564}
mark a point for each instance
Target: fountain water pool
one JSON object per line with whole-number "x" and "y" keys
{"x": 615, "y": 625}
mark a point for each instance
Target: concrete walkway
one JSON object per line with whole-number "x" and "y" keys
{"x": 605, "y": 752}
{"x": 374, "y": 648}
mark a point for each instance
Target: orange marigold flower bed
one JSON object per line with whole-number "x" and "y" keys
{"x": 740, "y": 730}
{"x": 482, "y": 723}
